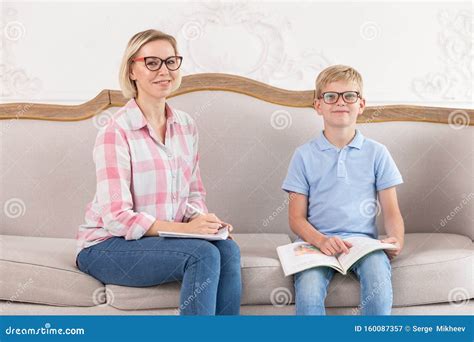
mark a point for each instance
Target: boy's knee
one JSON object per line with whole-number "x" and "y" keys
{"x": 375, "y": 272}
{"x": 314, "y": 280}
{"x": 376, "y": 262}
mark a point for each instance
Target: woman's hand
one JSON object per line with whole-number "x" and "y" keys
{"x": 334, "y": 245}
{"x": 204, "y": 224}
{"x": 229, "y": 226}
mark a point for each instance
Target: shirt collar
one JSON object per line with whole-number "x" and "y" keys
{"x": 324, "y": 143}
{"x": 357, "y": 141}
{"x": 135, "y": 119}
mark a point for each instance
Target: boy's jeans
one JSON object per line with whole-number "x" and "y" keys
{"x": 374, "y": 273}
{"x": 209, "y": 272}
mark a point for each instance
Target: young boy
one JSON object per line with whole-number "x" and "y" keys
{"x": 333, "y": 182}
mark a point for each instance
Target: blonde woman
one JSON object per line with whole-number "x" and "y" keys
{"x": 148, "y": 179}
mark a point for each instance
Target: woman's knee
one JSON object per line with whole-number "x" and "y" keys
{"x": 229, "y": 250}
{"x": 230, "y": 257}
{"x": 208, "y": 253}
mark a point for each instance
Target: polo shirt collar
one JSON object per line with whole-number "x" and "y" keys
{"x": 135, "y": 119}
{"x": 356, "y": 142}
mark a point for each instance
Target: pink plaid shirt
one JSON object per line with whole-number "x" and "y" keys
{"x": 140, "y": 180}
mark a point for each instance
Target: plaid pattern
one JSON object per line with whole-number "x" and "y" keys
{"x": 140, "y": 180}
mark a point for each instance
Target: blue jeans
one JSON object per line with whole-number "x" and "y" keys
{"x": 375, "y": 276}
{"x": 209, "y": 271}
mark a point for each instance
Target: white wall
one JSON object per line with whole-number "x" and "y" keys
{"x": 418, "y": 53}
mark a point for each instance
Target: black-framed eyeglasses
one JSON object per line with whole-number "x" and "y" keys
{"x": 153, "y": 63}
{"x": 331, "y": 97}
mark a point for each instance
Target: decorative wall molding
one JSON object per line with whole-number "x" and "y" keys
{"x": 225, "y": 27}
{"x": 14, "y": 80}
{"x": 453, "y": 81}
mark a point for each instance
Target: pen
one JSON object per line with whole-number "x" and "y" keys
{"x": 199, "y": 211}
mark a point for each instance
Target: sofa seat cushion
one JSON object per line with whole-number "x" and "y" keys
{"x": 432, "y": 268}
{"x": 263, "y": 281}
{"x": 43, "y": 271}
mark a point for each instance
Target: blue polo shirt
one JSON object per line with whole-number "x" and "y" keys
{"x": 342, "y": 183}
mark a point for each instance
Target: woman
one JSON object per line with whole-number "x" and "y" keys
{"x": 148, "y": 181}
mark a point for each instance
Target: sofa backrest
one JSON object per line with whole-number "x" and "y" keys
{"x": 47, "y": 172}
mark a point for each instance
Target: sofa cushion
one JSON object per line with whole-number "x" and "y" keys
{"x": 242, "y": 167}
{"x": 432, "y": 268}
{"x": 42, "y": 270}
{"x": 32, "y": 262}
{"x": 263, "y": 281}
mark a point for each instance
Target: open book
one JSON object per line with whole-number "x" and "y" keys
{"x": 298, "y": 256}
{"x": 222, "y": 234}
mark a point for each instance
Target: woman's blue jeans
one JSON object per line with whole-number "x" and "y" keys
{"x": 209, "y": 271}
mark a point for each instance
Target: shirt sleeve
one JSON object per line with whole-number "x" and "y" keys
{"x": 197, "y": 192}
{"x": 296, "y": 179}
{"x": 386, "y": 172}
{"x": 113, "y": 173}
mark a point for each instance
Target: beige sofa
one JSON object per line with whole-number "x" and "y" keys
{"x": 248, "y": 132}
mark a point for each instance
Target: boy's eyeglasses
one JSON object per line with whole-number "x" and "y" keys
{"x": 154, "y": 63}
{"x": 332, "y": 97}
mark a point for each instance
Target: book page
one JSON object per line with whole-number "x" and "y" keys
{"x": 361, "y": 246}
{"x": 222, "y": 234}
{"x": 298, "y": 256}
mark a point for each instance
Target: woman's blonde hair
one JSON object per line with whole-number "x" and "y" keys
{"x": 336, "y": 73}
{"x": 128, "y": 86}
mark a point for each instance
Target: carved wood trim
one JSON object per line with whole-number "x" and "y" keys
{"x": 224, "y": 82}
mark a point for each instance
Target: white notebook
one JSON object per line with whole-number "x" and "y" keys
{"x": 222, "y": 234}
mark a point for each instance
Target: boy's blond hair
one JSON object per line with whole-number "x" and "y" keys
{"x": 129, "y": 88}
{"x": 336, "y": 73}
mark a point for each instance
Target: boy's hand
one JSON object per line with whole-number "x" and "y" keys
{"x": 334, "y": 245}
{"x": 392, "y": 253}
